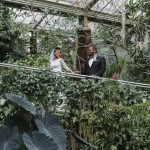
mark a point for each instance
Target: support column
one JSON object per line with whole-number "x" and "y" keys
{"x": 84, "y": 41}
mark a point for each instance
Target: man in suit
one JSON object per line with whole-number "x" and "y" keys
{"x": 95, "y": 65}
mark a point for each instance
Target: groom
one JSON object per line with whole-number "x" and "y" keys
{"x": 95, "y": 65}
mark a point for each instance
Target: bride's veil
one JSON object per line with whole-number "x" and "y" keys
{"x": 51, "y": 57}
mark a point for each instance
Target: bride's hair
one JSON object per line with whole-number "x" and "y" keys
{"x": 57, "y": 48}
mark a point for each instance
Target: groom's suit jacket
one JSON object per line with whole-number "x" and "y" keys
{"x": 97, "y": 68}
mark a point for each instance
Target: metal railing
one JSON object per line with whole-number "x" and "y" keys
{"x": 78, "y": 76}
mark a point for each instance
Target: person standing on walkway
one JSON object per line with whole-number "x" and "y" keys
{"x": 95, "y": 65}
{"x": 57, "y": 63}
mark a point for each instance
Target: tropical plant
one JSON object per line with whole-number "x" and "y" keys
{"x": 12, "y": 43}
{"x": 27, "y": 127}
{"x": 137, "y": 63}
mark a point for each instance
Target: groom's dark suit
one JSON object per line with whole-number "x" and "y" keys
{"x": 97, "y": 68}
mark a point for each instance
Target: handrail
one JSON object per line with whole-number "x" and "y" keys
{"x": 79, "y": 76}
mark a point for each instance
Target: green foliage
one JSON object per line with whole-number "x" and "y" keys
{"x": 36, "y": 60}
{"x": 45, "y": 85}
{"x": 137, "y": 63}
{"x": 139, "y": 7}
{"x": 137, "y": 67}
{"x": 104, "y": 112}
{"x": 116, "y": 126}
{"x": 12, "y": 42}
{"x": 110, "y": 115}
{"x": 27, "y": 127}
{"x": 54, "y": 38}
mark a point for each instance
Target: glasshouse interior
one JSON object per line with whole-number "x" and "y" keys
{"x": 74, "y": 74}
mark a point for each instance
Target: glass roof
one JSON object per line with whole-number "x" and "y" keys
{"x": 31, "y": 18}
{"x": 107, "y": 6}
{"x": 69, "y": 2}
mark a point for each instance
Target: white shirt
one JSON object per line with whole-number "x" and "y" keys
{"x": 92, "y": 60}
{"x": 57, "y": 64}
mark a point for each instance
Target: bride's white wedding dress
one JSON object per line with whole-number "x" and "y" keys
{"x": 57, "y": 65}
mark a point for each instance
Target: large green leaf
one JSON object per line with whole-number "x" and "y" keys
{"x": 39, "y": 141}
{"x": 21, "y": 102}
{"x": 49, "y": 125}
{"x": 8, "y": 138}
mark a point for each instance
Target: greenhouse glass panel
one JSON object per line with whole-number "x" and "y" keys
{"x": 109, "y": 6}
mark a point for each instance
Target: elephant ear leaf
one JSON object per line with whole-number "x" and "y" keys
{"x": 39, "y": 141}
{"x": 8, "y": 138}
{"x": 21, "y": 102}
{"x": 49, "y": 125}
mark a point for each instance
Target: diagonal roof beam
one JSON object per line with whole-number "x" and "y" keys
{"x": 90, "y": 4}
{"x": 64, "y": 10}
{"x": 42, "y": 18}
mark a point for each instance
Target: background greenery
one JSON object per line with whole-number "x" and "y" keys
{"x": 105, "y": 113}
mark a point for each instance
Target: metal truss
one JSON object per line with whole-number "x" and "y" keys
{"x": 65, "y": 10}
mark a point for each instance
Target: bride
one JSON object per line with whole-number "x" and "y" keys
{"x": 57, "y": 63}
